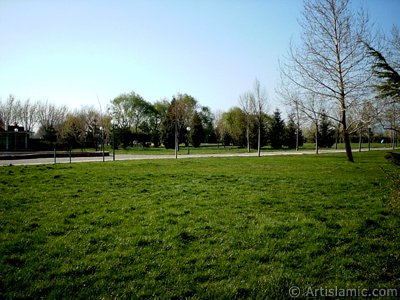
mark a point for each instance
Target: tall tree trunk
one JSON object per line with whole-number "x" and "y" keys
{"x": 316, "y": 138}
{"x": 176, "y": 138}
{"x": 337, "y": 136}
{"x": 248, "y": 137}
{"x": 297, "y": 126}
{"x": 342, "y": 101}
{"x": 259, "y": 139}
{"x": 346, "y": 136}
{"x": 393, "y": 139}
{"x": 348, "y": 146}
{"x": 394, "y": 135}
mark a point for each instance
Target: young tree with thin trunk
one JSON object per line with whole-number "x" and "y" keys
{"x": 313, "y": 109}
{"x": 260, "y": 99}
{"x": 247, "y": 104}
{"x": 178, "y": 117}
{"x": 219, "y": 127}
{"x": 332, "y": 63}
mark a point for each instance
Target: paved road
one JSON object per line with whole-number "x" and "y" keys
{"x": 40, "y": 161}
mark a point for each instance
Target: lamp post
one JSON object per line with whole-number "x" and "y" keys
{"x": 188, "y": 131}
{"x": 102, "y": 141}
{"x": 113, "y": 137}
{"x": 15, "y": 139}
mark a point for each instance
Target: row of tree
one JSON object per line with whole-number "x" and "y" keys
{"x": 129, "y": 118}
{"x": 135, "y": 121}
{"x": 131, "y": 121}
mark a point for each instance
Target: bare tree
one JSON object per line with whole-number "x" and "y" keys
{"x": 28, "y": 115}
{"x": 181, "y": 111}
{"x": 49, "y": 115}
{"x": 9, "y": 110}
{"x": 297, "y": 114}
{"x": 331, "y": 63}
{"x": 247, "y": 103}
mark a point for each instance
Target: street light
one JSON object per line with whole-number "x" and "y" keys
{"x": 188, "y": 130}
{"x": 102, "y": 141}
{"x": 15, "y": 141}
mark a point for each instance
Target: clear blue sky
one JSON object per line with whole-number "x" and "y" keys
{"x": 76, "y": 52}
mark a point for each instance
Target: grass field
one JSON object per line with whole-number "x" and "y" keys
{"x": 219, "y": 228}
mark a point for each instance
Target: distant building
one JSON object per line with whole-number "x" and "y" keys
{"x": 2, "y": 126}
{"x": 13, "y": 137}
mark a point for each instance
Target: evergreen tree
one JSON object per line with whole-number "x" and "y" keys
{"x": 326, "y": 133}
{"x": 207, "y": 119}
{"x": 277, "y": 130}
{"x": 389, "y": 85}
{"x": 291, "y": 134}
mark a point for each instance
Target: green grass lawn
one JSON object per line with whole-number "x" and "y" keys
{"x": 204, "y": 149}
{"x": 222, "y": 228}
{"x": 218, "y": 149}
